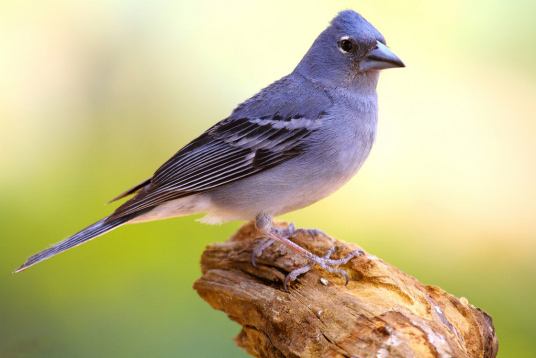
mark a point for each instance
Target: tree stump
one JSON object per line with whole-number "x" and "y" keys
{"x": 382, "y": 312}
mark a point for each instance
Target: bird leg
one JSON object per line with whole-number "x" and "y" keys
{"x": 283, "y": 235}
{"x": 289, "y": 232}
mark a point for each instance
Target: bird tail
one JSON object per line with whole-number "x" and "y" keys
{"x": 99, "y": 228}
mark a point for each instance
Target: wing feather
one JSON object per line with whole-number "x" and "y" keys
{"x": 229, "y": 151}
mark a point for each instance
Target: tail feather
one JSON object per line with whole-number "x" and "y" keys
{"x": 99, "y": 228}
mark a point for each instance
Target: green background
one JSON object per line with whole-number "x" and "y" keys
{"x": 95, "y": 95}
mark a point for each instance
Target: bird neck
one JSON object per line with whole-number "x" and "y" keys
{"x": 363, "y": 82}
{"x": 360, "y": 83}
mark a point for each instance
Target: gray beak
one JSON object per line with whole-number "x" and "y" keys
{"x": 380, "y": 58}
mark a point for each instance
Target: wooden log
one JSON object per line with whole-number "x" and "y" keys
{"x": 382, "y": 312}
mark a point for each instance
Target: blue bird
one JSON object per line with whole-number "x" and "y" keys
{"x": 293, "y": 143}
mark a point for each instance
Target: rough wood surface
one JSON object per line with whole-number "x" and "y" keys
{"x": 381, "y": 313}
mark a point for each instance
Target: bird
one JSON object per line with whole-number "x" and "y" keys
{"x": 292, "y": 144}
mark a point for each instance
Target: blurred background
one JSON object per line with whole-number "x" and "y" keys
{"x": 95, "y": 95}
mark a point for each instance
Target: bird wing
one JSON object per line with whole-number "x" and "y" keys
{"x": 132, "y": 190}
{"x": 233, "y": 149}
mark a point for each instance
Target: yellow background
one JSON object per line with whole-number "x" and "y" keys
{"x": 95, "y": 95}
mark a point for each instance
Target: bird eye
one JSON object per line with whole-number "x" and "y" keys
{"x": 345, "y": 44}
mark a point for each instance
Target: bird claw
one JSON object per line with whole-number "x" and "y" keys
{"x": 293, "y": 275}
{"x": 257, "y": 251}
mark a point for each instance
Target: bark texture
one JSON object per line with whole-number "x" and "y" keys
{"x": 381, "y": 313}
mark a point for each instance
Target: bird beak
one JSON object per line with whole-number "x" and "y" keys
{"x": 380, "y": 58}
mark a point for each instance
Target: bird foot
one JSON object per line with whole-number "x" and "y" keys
{"x": 325, "y": 262}
{"x": 257, "y": 251}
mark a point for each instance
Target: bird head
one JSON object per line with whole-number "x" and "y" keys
{"x": 349, "y": 49}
